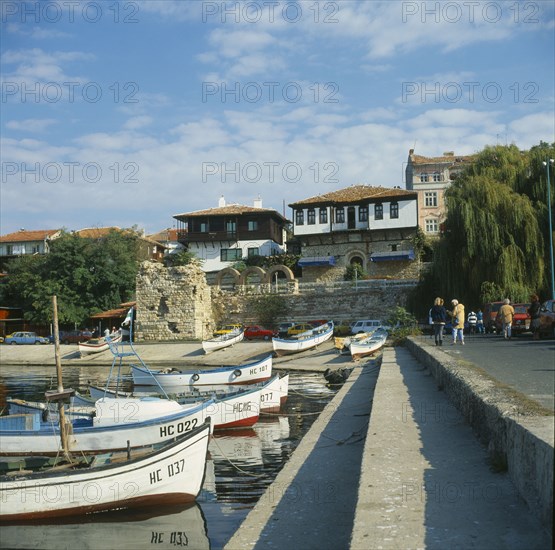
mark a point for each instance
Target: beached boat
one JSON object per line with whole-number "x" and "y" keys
{"x": 114, "y": 424}
{"x": 223, "y": 341}
{"x": 96, "y": 345}
{"x": 176, "y": 381}
{"x": 369, "y": 345}
{"x": 304, "y": 341}
{"x": 343, "y": 343}
{"x": 170, "y": 474}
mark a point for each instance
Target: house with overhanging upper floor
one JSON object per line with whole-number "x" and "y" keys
{"x": 371, "y": 226}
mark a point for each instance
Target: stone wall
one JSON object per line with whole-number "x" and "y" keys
{"x": 173, "y": 303}
{"x": 176, "y": 303}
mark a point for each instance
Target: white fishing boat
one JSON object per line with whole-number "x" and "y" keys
{"x": 171, "y": 474}
{"x": 96, "y": 345}
{"x": 369, "y": 345}
{"x": 223, "y": 341}
{"x": 343, "y": 343}
{"x": 115, "y": 424}
{"x": 304, "y": 341}
{"x": 177, "y": 381}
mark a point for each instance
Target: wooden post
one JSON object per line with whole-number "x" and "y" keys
{"x": 61, "y": 412}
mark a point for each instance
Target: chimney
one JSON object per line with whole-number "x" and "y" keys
{"x": 221, "y": 202}
{"x": 257, "y": 202}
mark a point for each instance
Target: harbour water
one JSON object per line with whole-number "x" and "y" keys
{"x": 242, "y": 464}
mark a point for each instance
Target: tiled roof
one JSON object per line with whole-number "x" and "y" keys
{"x": 230, "y": 210}
{"x": 28, "y": 236}
{"x": 356, "y": 193}
{"x": 446, "y": 159}
{"x": 101, "y": 232}
{"x": 165, "y": 235}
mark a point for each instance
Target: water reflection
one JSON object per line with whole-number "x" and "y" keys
{"x": 173, "y": 527}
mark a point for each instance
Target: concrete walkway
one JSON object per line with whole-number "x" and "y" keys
{"x": 419, "y": 480}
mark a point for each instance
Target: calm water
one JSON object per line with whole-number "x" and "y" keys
{"x": 241, "y": 465}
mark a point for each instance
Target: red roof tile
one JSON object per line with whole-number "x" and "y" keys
{"x": 357, "y": 193}
{"x": 230, "y": 209}
{"x": 28, "y": 236}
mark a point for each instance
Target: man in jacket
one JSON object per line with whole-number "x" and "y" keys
{"x": 506, "y": 314}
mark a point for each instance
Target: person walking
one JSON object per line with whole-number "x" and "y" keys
{"x": 438, "y": 317}
{"x": 472, "y": 322}
{"x": 534, "y": 312}
{"x": 506, "y": 314}
{"x": 458, "y": 321}
{"x": 480, "y": 322}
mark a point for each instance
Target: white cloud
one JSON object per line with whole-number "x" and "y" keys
{"x": 31, "y": 124}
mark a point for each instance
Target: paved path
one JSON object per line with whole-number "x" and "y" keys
{"x": 421, "y": 477}
{"x": 526, "y": 365}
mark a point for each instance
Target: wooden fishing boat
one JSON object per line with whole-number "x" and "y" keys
{"x": 177, "y": 381}
{"x": 369, "y": 345}
{"x": 170, "y": 474}
{"x": 96, "y": 345}
{"x": 343, "y": 343}
{"x": 304, "y": 341}
{"x": 273, "y": 393}
{"x": 114, "y": 424}
{"x": 223, "y": 341}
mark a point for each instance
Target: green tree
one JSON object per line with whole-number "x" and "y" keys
{"x": 268, "y": 308}
{"x": 495, "y": 231}
{"x": 88, "y": 275}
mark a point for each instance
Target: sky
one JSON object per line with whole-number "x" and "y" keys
{"x": 128, "y": 113}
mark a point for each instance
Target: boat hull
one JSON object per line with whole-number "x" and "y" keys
{"x": 170, "y": 475}
{"x": 221, "y": 342}
{"x": 284, "y": 346}
{"x": 181, "y": 381}
{"x": 88, "y": 348}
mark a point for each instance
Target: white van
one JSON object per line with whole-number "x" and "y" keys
{"x": 365, "y": 325}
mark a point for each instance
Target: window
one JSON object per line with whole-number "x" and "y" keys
{"x": 299, "y": 217}
{"x": 231, "y": 254}
{"x": 311, "y": 216}
{"x": 378, "y": 211}
{"x": 394, "y": 247}
{"x": 255, "y": 251}
{"x": 323, "y": 215}
{"x": 394, "y": 210}
{"x": 436, "y": 176}
{"x": 252, "y": 225}
{"x": 363, "y": 213}
{"x": 430, "y": 198}
{"x": 432, "y": 226}
{"x": 203, "y": 227}
{"x": 424, "y": 177}
{"x": 231, "y": 227}
{"x": 339, "y": 215}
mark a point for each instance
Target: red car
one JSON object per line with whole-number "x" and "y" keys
{"x": 521, "y": 320}
{"x": 255, "y": 331}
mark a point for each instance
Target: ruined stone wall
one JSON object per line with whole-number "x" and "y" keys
{"x": 176, "y": 303}
{"x": 173, "y": 303}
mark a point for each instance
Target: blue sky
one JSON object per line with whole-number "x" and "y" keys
{"x": 126, "y": 113}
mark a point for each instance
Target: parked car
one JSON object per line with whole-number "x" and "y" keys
{"x": 73, "y": 336}
{"x": 521, "y": 320}
{"x": 299, "y": 328}
{"x": 257, "y": 332}
{"x": 283, "y": 328}
{"x": 226, "y": 329}
{"x": 25, "y": 338}
{"x": 365, "y": 325}
{"x": 547, "y": 319}
{"x": 490, "y": 315}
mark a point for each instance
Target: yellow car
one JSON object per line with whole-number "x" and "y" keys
{"x": 298, "y": 328}
{"x": 226, "y": 329}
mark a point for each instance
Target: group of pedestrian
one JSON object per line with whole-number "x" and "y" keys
{"x": 438, "y": 317}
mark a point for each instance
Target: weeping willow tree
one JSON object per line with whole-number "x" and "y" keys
{"x": 495, "y": 243}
